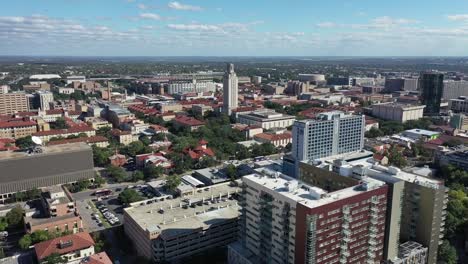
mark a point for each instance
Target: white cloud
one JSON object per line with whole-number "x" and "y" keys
{"x": 326, "y": 25}
{"x": 142, "y": 6}
{"x": 194, "y": 27}
{"x": 180, "y": 6}
{"x": 459, "y": 17}
{"x": 150, "y": 16}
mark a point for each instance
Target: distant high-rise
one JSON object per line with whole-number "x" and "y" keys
{"x": 431, "y": 85}
{"x": 11, "y": 103}
{"x": 230, "y": 89}
{"x": 330, "y": 134}
{"x": 45, "y": 97}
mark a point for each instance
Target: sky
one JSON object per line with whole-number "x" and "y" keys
{"x": 234, "y": 28}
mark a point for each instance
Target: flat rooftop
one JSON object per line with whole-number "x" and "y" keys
{"x": 204, "y": 208}
{"x": 310, "y": 196}
{"x": 47, "y": 150}
{"x": 370, "y": 168}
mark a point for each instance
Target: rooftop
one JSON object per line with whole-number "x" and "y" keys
{"x": 46, "y": 150}
{"x": 307, "y": 195}
{"x": 63, "y": 245}
{"x": 174, "y": 216}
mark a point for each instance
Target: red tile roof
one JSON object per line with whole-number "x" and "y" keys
{"x": 274, "y": 137}
{"x": 16, "y": 123}
{"x": 118, "y": 132}
{"x": 189, "y": 121}
{"x": 99, "y": 258}
{"x": 79, "y": 241}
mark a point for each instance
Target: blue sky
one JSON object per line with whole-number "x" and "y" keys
{"x": 234, "y": 28}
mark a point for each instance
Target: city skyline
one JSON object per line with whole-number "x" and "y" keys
{"x": 209, "y": 28}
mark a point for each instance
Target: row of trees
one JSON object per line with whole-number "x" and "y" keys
{"x": 457, "y": 211}
{"x": 387, "y": 128}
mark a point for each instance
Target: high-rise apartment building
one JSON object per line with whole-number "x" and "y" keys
{"x": 331, "y": 133}
{"x": 286, "y": 221}
{"x": 11, "y": 103}
{"x": 411, "y": 84}
{"x": 230, "y": 89}
{"x": 45, "y": 98}
{"x": 459, "y": 105}
{"x": 431, "y": 85}
{"x": 415, "y": 204}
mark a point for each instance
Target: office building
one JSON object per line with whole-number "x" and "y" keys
{"x": 411, "y": 84}
{"x": 398, "y": 112}
{"x": 257, "y": 79}
{"x": 312, "y": 78}
{"x": 230, "y": 90}
{"x": 297, "y": 88}
{"x": 45, "y": 98}
{"x": 431, "y": 85}
{"x": 459, "y": 121}
{"x": 331, "y": 133}
{"x": 57, "y": 212}
{"x": 339, "y": 81}
{"x": 173, "y": 229}
{"x": 459, "y": 105}
{"x": 394, "y": 84}
{"x": 286, "y": 221}
{"x": 417, "y": 203}
{"x": 266, "y": 119}
{"x": 454, "y": 89}
{"x": 11, "y": 103}
{"x": 191, "y": 86}
{"x": 52, "y": 165}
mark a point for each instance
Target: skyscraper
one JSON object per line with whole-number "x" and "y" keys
{"x": 431, "y": 85}
{"x": 331, "y": 133}
{"x": 230, "y": 89}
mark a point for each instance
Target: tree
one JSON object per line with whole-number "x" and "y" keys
{"x": 3, "y": 224}
{"x": 374, "y": 132}
{"x": 55, "y": 258}
{"x": 129, "y": 196}
{"x": 231, "y": 172}
{"x": 118, "y": 174}
{"x": 145, "y": 140}
{"x": 25, "y": 242}
{"x": 101, "y": 156}
{"x": 137, "y": 176}
{"x": 158, "y": 137}
{"x": 24, "y": 142}
{"x": 40, "y": 236}
{"x": 60, "y": 123}
{"x": 242, "y": 152}
{"x": 153, "y": 171}
{"x": 15, "y": 216}
{"x": 172, "y": 182}
{"x": 447, "y": 253}
{"x": 396, "y": 158}
{"x": 98, "y": 181}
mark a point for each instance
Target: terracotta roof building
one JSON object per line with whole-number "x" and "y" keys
{"x": 277, "y": 139}
{"x": 188, "y": 122}
{"x": 72, "y": 247}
